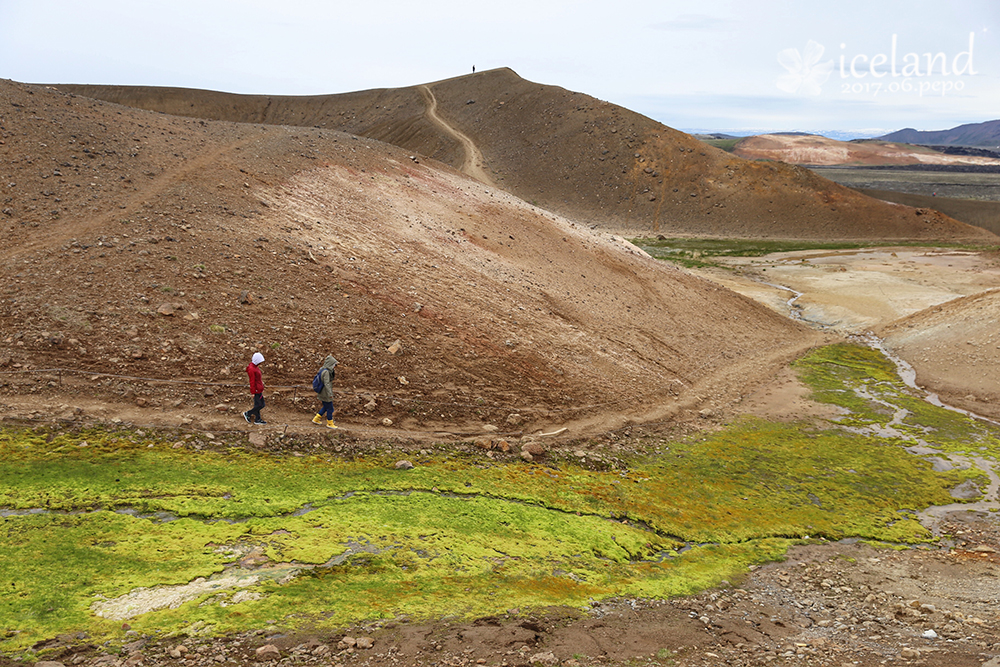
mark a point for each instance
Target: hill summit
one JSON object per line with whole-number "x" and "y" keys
{"x": 572, "y": 154}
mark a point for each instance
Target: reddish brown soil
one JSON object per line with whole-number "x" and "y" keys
{"x": 567, "y": 152}
{"x": 139, "y": 247}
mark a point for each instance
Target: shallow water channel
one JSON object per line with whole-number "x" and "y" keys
{"x": 988, "y": 499}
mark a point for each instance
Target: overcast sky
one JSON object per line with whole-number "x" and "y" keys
{"x": 858, "y": 67}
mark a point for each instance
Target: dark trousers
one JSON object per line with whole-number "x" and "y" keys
{"x": 258, "y": 405}
{"x": 327, "y": 410}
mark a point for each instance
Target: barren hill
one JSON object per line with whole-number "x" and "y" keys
{"x": 138, "y": 247}
{"x": 952, "y": 347}
{"x": 567, "y": 152}
{"x": 811, "y": 149}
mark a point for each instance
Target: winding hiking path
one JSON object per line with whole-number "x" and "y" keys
{"x": 473, "y": 163}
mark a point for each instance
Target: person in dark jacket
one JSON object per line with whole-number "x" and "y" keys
{"x": 326, "y": 393}
{"x": 256, "y": 388}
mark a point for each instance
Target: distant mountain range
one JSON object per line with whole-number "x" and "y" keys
{"x": 980, "y": 135}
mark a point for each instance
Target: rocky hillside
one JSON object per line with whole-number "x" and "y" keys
{"x": 567, "y": 152}
{"x": 138, "y": 248}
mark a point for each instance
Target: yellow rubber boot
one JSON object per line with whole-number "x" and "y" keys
{"x": 330, "y": 424}
{"x": 318, "y": 419}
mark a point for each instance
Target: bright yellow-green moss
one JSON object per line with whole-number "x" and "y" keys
{"x": 458, "y": 534}
{"x": 836, "y": 372}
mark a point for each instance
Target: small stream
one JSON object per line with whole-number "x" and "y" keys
{"x": 794, "y": 310}
{"x": 931, "y": 517}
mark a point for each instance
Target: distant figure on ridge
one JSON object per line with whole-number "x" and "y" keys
{"x": 256, "y": 388}
{"x": 473, "y": 69}
{"x": 323, "y": 384}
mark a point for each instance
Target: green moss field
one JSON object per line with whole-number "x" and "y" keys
{"x": 103, "y": 527}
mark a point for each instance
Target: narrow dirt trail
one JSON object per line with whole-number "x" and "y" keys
{"x": 473, "y": 163}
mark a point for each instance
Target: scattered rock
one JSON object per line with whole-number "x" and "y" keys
{"x": 365, "y": 642}
{"x": 346, "y": 643}
{"x": 533, "y": 447}
{"x": 257, "y": 439}
{"x": 166, "y": 309}
{"x": 402, "y": 380}
{"x": 386, "y": 421}
{"x": 403, "y": 465}
{"x": 396, "y": 347}
{"x": 268, "y": 652}
{"x": 546, "y": 659}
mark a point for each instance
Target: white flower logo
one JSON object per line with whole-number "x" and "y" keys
{"x": 805, "y": 74}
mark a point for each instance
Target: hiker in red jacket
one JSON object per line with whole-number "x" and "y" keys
{"x": 256, "y": 388}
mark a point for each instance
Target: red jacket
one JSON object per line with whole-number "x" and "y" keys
{"x": 256, "y": 380}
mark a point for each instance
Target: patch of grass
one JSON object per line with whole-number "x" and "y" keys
{"x": 455, "y": 535}
{"x": 698, "y": 252}
{"x": 217, "y": 328}
{"x": 725, "y": 144}
{"x": 865, "y": 382}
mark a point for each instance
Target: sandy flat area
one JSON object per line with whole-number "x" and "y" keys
{"x": 938, "y": 309}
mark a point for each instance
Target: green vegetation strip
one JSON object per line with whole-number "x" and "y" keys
{"x": 836, "y": 373}
{"x": 91, "y": 516}
{"x": 698, "y": 252}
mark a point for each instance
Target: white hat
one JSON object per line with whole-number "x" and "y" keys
{"x": 257, "y": 358}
